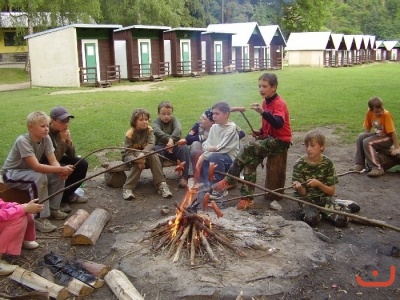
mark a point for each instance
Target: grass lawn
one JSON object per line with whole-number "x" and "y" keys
{"x": 335, "y": 97}
{"x": 13, "y": 75}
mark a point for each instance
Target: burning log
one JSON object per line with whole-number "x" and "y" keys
{"x": 208, "y": 248}
{"x": 122, "y": 288}
{"x": 74, "y": 222}
{"x": 182, "y": 240}
{"x": 90, "y": 230}
{"x": 39, "y": 283}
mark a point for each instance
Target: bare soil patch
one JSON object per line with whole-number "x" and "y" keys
{"x": 305, "y": 267}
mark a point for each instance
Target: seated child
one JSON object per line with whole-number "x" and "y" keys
{"x": 141, "y": 137}
{"x": 168, "y": 131}
{"x": 314, "y": 179}
{"x": 17, "y": 230}
{"x": 383, "y": 136}
{"x": 22, "y": 169}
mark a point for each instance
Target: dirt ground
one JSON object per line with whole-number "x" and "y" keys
{"x": 355, "y": 250}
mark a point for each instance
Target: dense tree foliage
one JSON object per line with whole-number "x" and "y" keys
{"x": 376, "y": 17}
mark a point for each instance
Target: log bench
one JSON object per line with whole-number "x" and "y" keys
{"x": 117, "y": 177}
{"x": 387, "y": 160}
{"x": 275, "y": 176}
{"x": 12, "y": 194}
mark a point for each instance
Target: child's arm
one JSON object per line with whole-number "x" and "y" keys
{"x": 329, "y": 190}
{"x": 396, "y": 148}
{"x": 53, "y": 167}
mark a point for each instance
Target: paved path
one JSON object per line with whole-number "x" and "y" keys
{"x": 15, "y": 86}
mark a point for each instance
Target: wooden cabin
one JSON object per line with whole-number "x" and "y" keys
{"x": 183, "y": 51}
{"x": 360, "y": 49}
{"x": 336, "y": 56}
{"x": 271, "y": 55}
{"x": 309, "y": 48}
{"x": 72, "y": 55}
{"x": 247, "y": 36}
{"x": 139, "y": 50}
{"x": 348, "y": 54}
{"x": 390, "y": 50}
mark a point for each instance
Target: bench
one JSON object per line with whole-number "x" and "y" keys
{"x": 387, "y": 160}
{"x": 117, "y": 177}
{"x": 12, "y": 194}
{"x": 275, "y": 176}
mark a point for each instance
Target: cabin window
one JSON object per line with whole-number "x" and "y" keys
{"x": 12, "y": 39}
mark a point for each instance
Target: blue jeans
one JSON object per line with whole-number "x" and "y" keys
{"x": 223, "y": 162}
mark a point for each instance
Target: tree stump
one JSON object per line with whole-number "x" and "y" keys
{"x": 13, "y": 195}
{"x": 275, "y": 174}
{"x": 90, "y": 230}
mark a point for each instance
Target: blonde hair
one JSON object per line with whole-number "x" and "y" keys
{"x": 314, "y": 135}
{"x": 37, "y": 116}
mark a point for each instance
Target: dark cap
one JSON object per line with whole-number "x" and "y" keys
{"x": 209, "y": 114}
{"x": 60, "y": 113}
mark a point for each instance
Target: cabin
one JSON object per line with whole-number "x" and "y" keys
{"x": 271, "y": 55}
{"x": 336, "y": 56}
{"x": 360, "y": 49}
{"x": 309, "y": 48}
{"x": 390, "y": 50}
{"x": 247, "y": 37}
{"x": 183, "y": 51}
{"x": 139, "y": 51}
{"x": 348, "y": 54}
{"x": 73, "y": 55}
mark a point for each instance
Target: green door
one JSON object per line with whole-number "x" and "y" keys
{"x": 218, "y": 56}
{"x": 145, "y": 68}
{"x": 90, "y": 57}
{"x": 186, "y": 57}
{"x": 246, "y": 57}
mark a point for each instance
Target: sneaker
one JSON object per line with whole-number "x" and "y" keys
{"x": 183, "y": 183}
{"x": 64, "y": 207}
{"x": 77, "y": 199}
{"x": 245, "y": 204}
{"x": 221, "y": 186}
{"x": 218, "y": 195}
{"x": 44, "y": 225}
{"x": 164, "y": 191}
{"x": 6, "y": 268}
{"x": 351, "y": 205}
{"x": 376, "y": 172}
{"x": 30, "y": 245}
{"x": 127, "y": 194}
{"x": 357, "y": 167}
{"x": 57, "y": 214}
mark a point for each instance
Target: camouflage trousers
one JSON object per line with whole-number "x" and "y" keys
{"x": 250, "y": 156}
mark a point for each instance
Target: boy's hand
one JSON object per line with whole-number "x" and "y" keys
{"x": 181, "y": 142}
{"x": 170, "y": 144}
{"x": 66, "y": 137}
{"x": 257, "y": 107}
{"x": 256, "y": 133}
{"x": 395, "y": 151}
{"x": 313, "y": 183}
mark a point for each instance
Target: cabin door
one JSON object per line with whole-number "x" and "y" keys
{"x": 246, "y": 57}
{"x": 218, "y": 56}
{"x": 144, "y": 58}
{"x": 185, "y": 56}
{"x": 90, "y": 60}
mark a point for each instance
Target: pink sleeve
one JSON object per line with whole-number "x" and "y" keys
{"x": 10, "y": 211}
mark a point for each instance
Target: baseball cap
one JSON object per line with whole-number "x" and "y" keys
{"x": 60, "y": 113}
{"x": 209, "y": 114}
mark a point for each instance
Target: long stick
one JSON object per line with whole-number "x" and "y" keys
{"x": 248, "y": 122}
{"x": 102, "y": 172}
{"x": 353, "y": 216}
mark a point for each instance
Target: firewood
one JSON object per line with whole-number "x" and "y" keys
{"x": 39, "y": 283}
{"x": 120, "y": 285}
{"x": 74, "y": 222}
{"x": 90, "y": 230}
{"x": 173, "y": 242}
{"x": 208, "y": 248}
{"x": 182, "y": 240}
{"x": 193, "y": 244}
{"x": 98, "y": 270}
{"x": 27, "y": 296}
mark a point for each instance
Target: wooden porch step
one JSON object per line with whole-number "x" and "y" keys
{"x": 103, "y": 84}
{"x": 196, "y": 74}
{"x": 156, "y": 78}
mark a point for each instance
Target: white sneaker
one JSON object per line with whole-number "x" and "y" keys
{"x": 127, "y": 194}
{"x": 218, "y": 195}
{"x": 30, "y": 245}
{"x": 164, "y": 191}
{"x": 6, "y": 268}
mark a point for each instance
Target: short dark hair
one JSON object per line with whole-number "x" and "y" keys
{"x": 222, "y": 106}
{"x": 314, "y": 135}
{"x": 271, "y": 78}
{"x": 375, "y": 102}
{"x": 136, "y": 114}
{"x": 165, "y": 104}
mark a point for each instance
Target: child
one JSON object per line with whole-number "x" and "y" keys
{"x": 168, "y": 131}
{"x": 17, "y": 230}
{"x": 382, "y": 137}
{"x": 221, "y": 146}
{"x": 66, "y": 155}
{"x": 273, "y": 138}
{"x": 314, "y": 179}
{"x": 141, "y": 137}
{"x": 23, "y": 171}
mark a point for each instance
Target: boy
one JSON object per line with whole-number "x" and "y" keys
{"x": 369, "y": 143}
{"x": 141, "y": 137}
{"x": 314, "y": 179}
{"x": 273, "y": 138}
{"x": 222, "y": 145}
{"x": 168, "y": 130}
{"x": 66, "y": 155}
{"x": 22, "y": 169}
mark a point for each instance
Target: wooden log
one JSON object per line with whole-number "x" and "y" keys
{"x": 387, "y": 160}
{"x": 74, "y": 222}
{"x": 27, "y": 296}
{"x": 208, "y": 248}
{"x": 39, "y": 283}
{"x": 98, "y": 270}
{"x": 275, "y": 174}
{"x": 90, "y": 230}
{"x": 193, "y": 244}
{"x": 120, "y": 285}
{"x": 182, "y": 240}
{"x": 12, "y": 194}
{"x": 173, "y": 242}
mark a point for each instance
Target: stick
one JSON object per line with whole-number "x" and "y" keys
{"x": 182, "y": 240}
{"x": 193, "y": 244}
{"x": 102, "y": 172}
{"x": 248, "y": 122}
{"x": 353, "y": 216}
{"x": 208, "y": 248}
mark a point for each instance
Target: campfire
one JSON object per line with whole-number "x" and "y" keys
{"x": 192, "y": 232}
